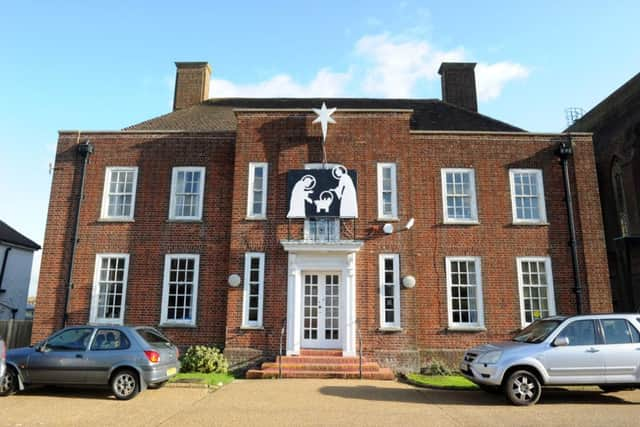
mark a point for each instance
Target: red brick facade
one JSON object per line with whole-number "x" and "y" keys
{"x": 287, "y": 140}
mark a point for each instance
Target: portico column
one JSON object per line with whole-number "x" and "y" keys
{"x": 350, "y": 329}
{"x": 294, "y": 308}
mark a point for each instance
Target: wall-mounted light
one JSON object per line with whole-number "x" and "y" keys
{"x": 409, "y": 282}
{"x": 410, "y": 224}
{"x": 234, "y": 280}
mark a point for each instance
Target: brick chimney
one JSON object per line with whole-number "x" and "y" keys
{"x": 459, "y": 84}
{"x": 192, "y": 84}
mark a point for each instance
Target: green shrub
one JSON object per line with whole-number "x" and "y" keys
{"x": 436, "y": 367}
{"x": 200, "y": 358}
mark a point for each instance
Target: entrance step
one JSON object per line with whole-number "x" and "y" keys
{"x": 312, "y": 363}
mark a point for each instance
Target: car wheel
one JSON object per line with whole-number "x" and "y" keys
{"x": 523, "y": 388}
{"x": 125, "y": 384}
{"x": 9, "y": 383}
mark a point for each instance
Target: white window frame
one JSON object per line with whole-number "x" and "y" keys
{"x": 394, "y": 192}
{"x": 246, "y": 323}
{"x": 250, "y": 200}
{"x": 541, "y": 202}
{"x": 465, "y": 326}
{"x": 472, "y": 186}
{"x": 172, "y": 203}
{"x": 551, "y": 296}
{"x": 397, "y": 323}
{"x": 164, "y": 321}
{"x": 104, "y": 211}
{"x": 95, "y": 292}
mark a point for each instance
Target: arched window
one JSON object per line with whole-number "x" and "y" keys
{"x": 617, "y": 178}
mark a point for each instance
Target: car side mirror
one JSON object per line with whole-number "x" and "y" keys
{"x": 561, "y": 342}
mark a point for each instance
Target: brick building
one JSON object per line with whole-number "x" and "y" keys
{"x": 615, "y": 123}
{"x": 429, "y": 228}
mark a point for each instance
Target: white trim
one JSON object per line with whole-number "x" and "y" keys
{"x": 472, "y": 186}
{"x": 246, "y": 323}
{"x": 95, "y": 292}
{"x": 394, "y": 192}
{"x": 338, "y": 246}
{"x": 104, "y": 210}
{"x": 397, "y": 323}
{"x": 252, "y": 174}
{"x": 479, "y": 297}
{"x": 172, "y": 202}
{"x": 551, "y": 296}
{"x": 541, "y": 202}
{"x": 165, "y": 290}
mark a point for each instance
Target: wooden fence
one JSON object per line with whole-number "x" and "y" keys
{"x": 16, "y": 333}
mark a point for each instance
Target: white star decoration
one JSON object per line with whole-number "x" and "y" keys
{"x": 324, "y": 117}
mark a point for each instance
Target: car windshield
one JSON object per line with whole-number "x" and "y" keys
{"x": 538, "y": 331}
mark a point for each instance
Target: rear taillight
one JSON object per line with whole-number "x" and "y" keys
{"x": 177, "y": 353}
{"x": 153, "y": 356}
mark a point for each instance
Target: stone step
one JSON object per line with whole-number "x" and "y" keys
{"x": 382, "y": 374}
{"x": 320, "y": 352}
{"x": 341, "y": 367}
{"x": 320, "y": 360}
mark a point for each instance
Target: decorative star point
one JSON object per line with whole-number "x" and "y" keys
{"x": 324, "y": 118}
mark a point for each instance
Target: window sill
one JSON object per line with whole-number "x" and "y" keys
{"x": 390, "y": 329}
{"x": 185, "y": 220}
{"x": 530, "y": 223}
{"x": 467, "y": 329}
{"x": 251, "y": 328}
{"x": 116, "y": 220}
{"x": 177, "y": 325}
{"x": 255, "y": 218}
{"x": 454, "y": 222}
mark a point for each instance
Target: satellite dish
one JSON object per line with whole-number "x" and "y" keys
{"x": 409, "y": 224}
{"x": 388, "y": 228}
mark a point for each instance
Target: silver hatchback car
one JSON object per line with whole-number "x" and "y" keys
{"x": 126, "y": 358}
{"x": 602, "y": 350}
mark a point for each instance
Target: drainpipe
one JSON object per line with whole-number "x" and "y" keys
{"x": 3, "y": 268}
{"x": 565, "y": 152}
{"x": 84, "y": 150}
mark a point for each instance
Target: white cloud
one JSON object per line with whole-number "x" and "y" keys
{"x": 386, "y": 66}
{"x": 491, "y": 78}
{"x": 395, "y": 65}
{"x": 325, "y": 84}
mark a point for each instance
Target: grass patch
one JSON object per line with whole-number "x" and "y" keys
{"x": 197, "y": 377}
{"x": 451, "y": 382}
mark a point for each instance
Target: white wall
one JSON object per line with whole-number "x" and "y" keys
{"x": 15, "y": 283}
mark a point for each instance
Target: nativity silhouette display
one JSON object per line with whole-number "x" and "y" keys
{"x": 322, "y": 192}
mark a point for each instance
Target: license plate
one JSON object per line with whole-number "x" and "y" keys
{"x": 171, "y": 371}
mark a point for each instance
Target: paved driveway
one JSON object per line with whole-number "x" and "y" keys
{"x": 312, "y": 402}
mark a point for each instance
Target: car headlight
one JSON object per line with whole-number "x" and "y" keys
{"x": 490, "y": 358}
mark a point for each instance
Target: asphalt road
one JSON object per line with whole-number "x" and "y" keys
{"x": 316, "y": 403}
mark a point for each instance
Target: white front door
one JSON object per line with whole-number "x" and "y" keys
{"x": 321, "y": 310}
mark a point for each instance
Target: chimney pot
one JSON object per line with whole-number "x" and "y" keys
{"x": 192, "y": 84}
{"x": 459, "y": 84}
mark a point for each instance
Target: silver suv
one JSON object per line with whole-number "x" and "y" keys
{"x": 602, "y": 350}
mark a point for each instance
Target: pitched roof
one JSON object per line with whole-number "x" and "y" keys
{"x": 428, "y": 114}
{"x": 11, "y": 236}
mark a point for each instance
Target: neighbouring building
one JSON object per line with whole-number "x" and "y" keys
{"x": 420, "y": 225}
{"x": 16, "y": 258}
{"x": 615, "y": 124}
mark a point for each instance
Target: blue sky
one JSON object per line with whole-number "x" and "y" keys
{"x": 105, "y": 65}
